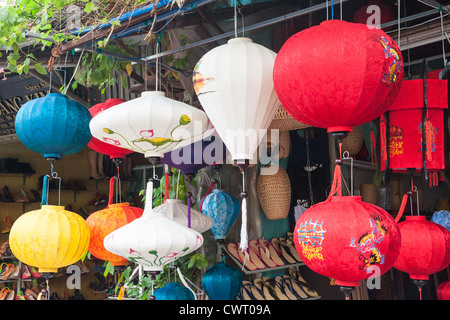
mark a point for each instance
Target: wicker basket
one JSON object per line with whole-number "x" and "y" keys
{"x": 284, "y": 122}
{"x": 274, "y": 194}
{"x": 284, "y": 141}
{"x": 354, "y": 141}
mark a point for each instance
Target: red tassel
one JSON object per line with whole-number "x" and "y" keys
{"x": 402, "y": 208}
{"x": 166, "y": 187}
{"x": 111, "y": 190}
{"x": 336, "y": 186}
{"x": 383, "y": 147}
{"x": 373, "y": 146}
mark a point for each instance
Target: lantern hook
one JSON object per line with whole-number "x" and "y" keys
{"x": 347, "y": 291}
{"x": 346, "y": 156}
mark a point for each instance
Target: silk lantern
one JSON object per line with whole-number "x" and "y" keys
{"x": 338, "y": 75}
{"x": 425, "y": 247}
{"x": 442, "y": 217}
{"x": 375, "y": 13}
{"x": 53, "y": 126}
{"x": 223, "y": 209}
{"x": 443, "y": 291}
{"x": 153, "y": 240}
{"x": 151, "y": 125}
{"x": 222, "y": 282}
{"x": 173, "y": 291}
{"x": 114, "y": 152}
{"x": 103, "y": 222}
{"x": 346, "y": 239}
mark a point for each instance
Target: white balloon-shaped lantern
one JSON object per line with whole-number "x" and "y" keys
{"x": 153, "y": 240}
{"x": 234, "y": 83}
{"x": 176, "y": 210}
{"x": 152, "y": 124}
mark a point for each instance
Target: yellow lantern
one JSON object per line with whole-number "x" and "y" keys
{"x": 49, "y": 238}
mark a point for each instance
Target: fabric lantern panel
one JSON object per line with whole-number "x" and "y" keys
{"x": 173, "y": 291}
{"x": 274, "y": 194}
{"x": 338, "y": 75}
{"x": 344, "y": 237}
{"x": 222, "y": 282}
{"x": 405, "y": 120}
{"x": 443, "y": 291}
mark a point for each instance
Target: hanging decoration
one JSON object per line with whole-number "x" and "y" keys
{"x": 53, "y": 126}
{"x": 373, "y": 10}
{"x": 442, "y": 217}
{"x": 103, "y": 222}
{"x": 338, "y": 75}
{"x": 222, "y": 282}
{"x": 223, "y": 209}
{"x": 173, "y": 291}
{"x": 443, "y": 291}
{"x": 284, "y": 122}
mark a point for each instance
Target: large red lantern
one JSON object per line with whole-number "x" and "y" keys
{"x": 347, "y": 239}
{"x": 443, "y": 291}
{"x": 338, "y": 75}
{"x": 103, "y": 222}
{"x": 103, "y": 147}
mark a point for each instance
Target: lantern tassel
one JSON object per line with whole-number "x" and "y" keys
{"x": 383, "y": 151}
{"x": 402, "y": 207}
{"x": 166, "y": 187}
{"x": 111, "y": 190}
{"x": 244, "y": 236}
{"x": 336, "y": 187}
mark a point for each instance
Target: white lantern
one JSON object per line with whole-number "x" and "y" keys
{"x": 153, "y": 240}
{"x": 176, "y": 210}
{"x": 151, "y": 124}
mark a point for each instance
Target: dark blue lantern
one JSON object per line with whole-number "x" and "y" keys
{"x": 173, "y": 291}
{"x": 53, "y": 125}
{"x": 222, "y": 282}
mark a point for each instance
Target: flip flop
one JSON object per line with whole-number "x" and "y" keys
{"x": 259, "y": 283}
{"x": 250, "y": 291}
{"x": 283, "y": 250}
{"x": 276, "y": 288}
{"x": 271, "y": 251}
{"x": 262, "y": 255}
{"x": 295, "y": 287}
{"x": 234, "y": 250}
{"x": 285, "y": 287}
{"x": 290, "y": 246}
{"x": 302, "y": 282}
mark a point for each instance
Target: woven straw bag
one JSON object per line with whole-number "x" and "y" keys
{"x": 284, "y": 122}
{"x": 354, "y": 141}
{"x": 284, "y": 141}
{"x": 274, "y": 194}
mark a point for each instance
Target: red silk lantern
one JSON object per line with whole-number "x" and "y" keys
{"x": 443, "y": 291}
{"x": 425, "y": 247}
{"x": 338, "y": 75}
{"x": 347, "y": 239}
{"x": 103, "y": 147}
{"x": 103, "y": 222}
{"x": 405, "y": 121}
{"x": 368, "y": 14}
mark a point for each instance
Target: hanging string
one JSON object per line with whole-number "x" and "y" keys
{"x": 332, "y": 10}
{"x": 443, "y": 39}
{"x": 189, "y": 194}
{"x": 235, "y": 18}
{"x": 244, "y": 237}
{"x": 327, "y": 9}
{"x": 398, "y": 22}
{"x": 373, "y": 145}
{"x": 383, "y": 146}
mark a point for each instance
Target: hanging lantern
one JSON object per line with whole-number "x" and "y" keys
{"x": 443, "y": 291}
{"x": 338, "y": 75}
{"x": 344, "y": 237}
{"x": 177, "y": 211}
{"x": 375, "y": 13}
{"x": 111, "y": 150}
{"x": 274, "y": 194}
{"x": 173, "y": 291}
{"x": 151, "y": 125}
{"x": 425, "y": 247}
{"x": 53, "y": 125}
{"x": 404, "y": 149}
{"x": 223, "y": 209}
{"x": 103, "y": 222}
{"x": 152, "y": 240}
{"x": 222, "y": 282}
{"x": 442, "y": 217}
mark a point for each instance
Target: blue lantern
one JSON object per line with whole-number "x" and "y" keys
{"x": 53, "y": 125}
{"x": 222, "y": 282}
{"x": 223, "y": 209}
{"x": 173, "y": 291}
{"x": 442, "y": 217}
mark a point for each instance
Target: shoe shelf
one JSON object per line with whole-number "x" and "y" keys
{"x": 24, "y": 176}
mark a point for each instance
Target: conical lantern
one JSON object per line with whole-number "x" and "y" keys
{"x": 176, "y": 210}
{"x": 274, "y": 194}
{"x": 223, "y": 209}
{"x": 173, "y": 291}
{"x": 153, "y": 240}
{"x": 338, "y": 75}
{"x": 151, "y": 124}
{"x": 53, "y": 125}
{"x": 222, "y": 282}
{"x": 102, "y": 147}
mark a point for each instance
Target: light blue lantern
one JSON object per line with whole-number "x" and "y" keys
{"x": 442, "y": 217}
{"x": 222, "y": 282}
{"x": 53, "y": 125}
{"x": 173, "y": 291}
{"x": 223, "y": 209}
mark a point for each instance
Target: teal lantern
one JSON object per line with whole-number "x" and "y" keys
{"x": 223, "y": 209}
{"x": 173, "y": 291}
{"x": 53, "y": 126}
{"x": 222, "y": 282}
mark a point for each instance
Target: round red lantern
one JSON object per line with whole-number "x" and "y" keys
{"x": 375, "y": 12}
{"x": 425, "y": 247}
{"x": 101, "y": 146}
{"x": 338, "y": 75}
{"x": 347, "y": 239}
{"x": 443, "y": 291}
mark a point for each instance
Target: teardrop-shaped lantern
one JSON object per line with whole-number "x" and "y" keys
{"x": 176, "y": 210}
{"x": 173, "y": 291}
{"x": 153, "y": 240}
{"x": 53, "y": 125}
{"x": 109, "y": 149}
{"x": 49, "y": 238}
{"x": 223, "y": 209}
{"x": 151, "y": 124}
{"x": 338, "y": 75}
{"x": 222, "y": 282}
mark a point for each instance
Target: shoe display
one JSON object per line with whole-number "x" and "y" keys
{"x": 8, "y": 225}
{"x": 5, "y": 250}
{"x": 21, "y": 196}
{"x": 6, "y": 195}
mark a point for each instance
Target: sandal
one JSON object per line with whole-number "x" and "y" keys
{"x": 283, "y": 250}
{"x": 286, "y": 287}
{"x": 303, "y": 284}
{"x": 250, "y": 291}
{"x": 4, "y": 293}
{"x": 262, "y": 255}
{"x": 289, "y": 245}
{"x": 271, "y": 251}
{"x": 241, "y": 257}
{"x": 276, "y": 288}
{"x": 295, "y": 288}
{"x": 259, "y": 283}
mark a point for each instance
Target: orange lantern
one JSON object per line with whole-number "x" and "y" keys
{"x": 103, "y": 222}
